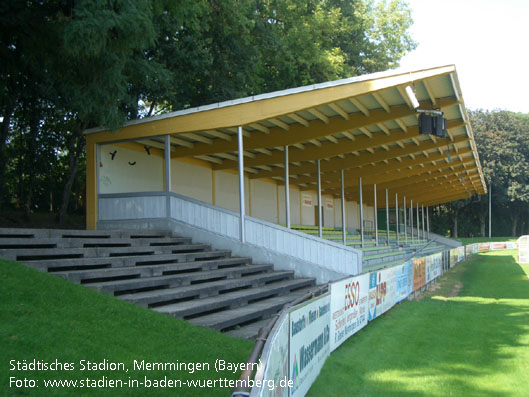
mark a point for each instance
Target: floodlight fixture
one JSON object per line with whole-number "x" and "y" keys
{"x": 412, "y": 97}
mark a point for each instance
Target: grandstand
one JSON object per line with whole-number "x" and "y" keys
{"x": 292, "y": 182}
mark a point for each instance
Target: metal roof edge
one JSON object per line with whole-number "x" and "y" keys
{"x": 271, "y": 95}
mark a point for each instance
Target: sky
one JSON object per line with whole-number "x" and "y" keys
{"x": 487, "y": 40}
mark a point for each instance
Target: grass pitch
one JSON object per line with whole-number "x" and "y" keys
{"x": 45, "y": 318}
{"x": 467, "y": 337}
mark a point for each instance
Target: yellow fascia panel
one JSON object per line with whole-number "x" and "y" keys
{"x": 255, "y": 111}
{"x": 91, "y": 184}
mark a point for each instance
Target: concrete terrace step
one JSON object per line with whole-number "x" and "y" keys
{"x": 234, "y": 299}
{"x": 84, "y": 276}
{"x": 388, "y": 257}
{"x": 167, "y": 273}
{"x": 381, "y": 249}
{"x": 32, "y": 243}
{"x": 169, "y": 281}
{"x": 54, "y": 253}
{"x": 67, "y": 233}
{"x": 249, "y": 331}
{"x": 226, "y": 319}
{"x": 170, "y": 295}
{"x": 54, "y": 265}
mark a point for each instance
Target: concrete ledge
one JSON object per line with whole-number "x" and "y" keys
{"x": 260, "y": 255}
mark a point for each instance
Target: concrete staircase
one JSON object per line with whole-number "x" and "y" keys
{"x": 169, "y": 274}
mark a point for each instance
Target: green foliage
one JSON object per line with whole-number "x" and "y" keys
{"x": 69, "y": 65}
{"x": 502, "y": 140}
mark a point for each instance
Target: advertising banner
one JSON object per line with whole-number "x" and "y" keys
{"x": 382, "y": 292}
{"x": 433, "y": 266}
{"x": 523, "y": 249}
{"x": 446, "y": 261}
{"x": 484, "y": 247}
{"x": 349, "y": 306}
{"x": 498, "y": 246}
{"x": 309, "y": 342}
{"x": 404, "y": 280}
{"x": 511, "y": 245}
{"x": 277, "y": 363}
{"x": 475, "y": 248}
{"x": 460, "y": 254}
{"x": 419, "y": 273}
{"x": 453, "y": 257}
{"x": 428, "y": 265}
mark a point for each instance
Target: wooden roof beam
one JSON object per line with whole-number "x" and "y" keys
{"x": 365, "y": 172}
{"x": 364, "y": 158}
{"x": 299, "y": 133}
{"x": 331, "y": 150}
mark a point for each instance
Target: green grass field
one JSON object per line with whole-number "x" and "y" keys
{"x": 45, "y": 318}
{"x": 468, "y": 337}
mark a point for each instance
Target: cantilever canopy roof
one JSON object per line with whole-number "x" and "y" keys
{"x": 365, "y": 125}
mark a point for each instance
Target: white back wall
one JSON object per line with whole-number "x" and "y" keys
{"x": 227, "y": 191}
{"x": 328, "y": 211}
{"x": 192, "y": 180}
{"x": 264, "y": 200}
{"x": 308, "y": 201}
{"x": 130, "y": 171}
{"x": 294, "y": 205}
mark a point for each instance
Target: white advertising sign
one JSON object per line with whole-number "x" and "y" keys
{"x": 309, "y": 342}
{"x": 382, "y": 291}
{"x": 433, "y": 266}
{"x": 306, "y": 199}
{"x": 460, "y": 254}
{"x": 277, "y": 363}
{"x": 404, "y": 281}
{"x": 349, "y": 300}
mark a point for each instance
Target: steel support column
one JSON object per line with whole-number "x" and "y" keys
{"x": 376, "y": 214}
{"x": 361, "y": 213}
{"x": 287, "y": 190}
{"x": 405, "y": 226}
{"x": 397, "y": 217}
{"x": 387, "y": 218}
{"x": 342, "y": 199}
{"x": 320, "y": 226}
{"x": 240, "y": 148}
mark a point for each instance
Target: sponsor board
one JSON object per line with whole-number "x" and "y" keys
{"x": 498, "y": 246}
{"x": 306, "y": 199}
{"x": 349, "y": 306}
{"x": 382, "y": 291}
{"x": 484, "y": 247}
{"x": 523, "y": 249}
{"x": 433, "y": 266}
{"x": 460, "y": 254}
{"x": 511, "y": 245}
{"x": 419, "y": 273}
{"x": 446, "y": 260}
{"x": 277, "y": 363}
{"x": 453, "y": 257}
{"x": 309, "y": 342}
{"x": 404, "y": 281}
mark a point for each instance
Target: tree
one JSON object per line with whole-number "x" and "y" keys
{"x": 70, "y": 65}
